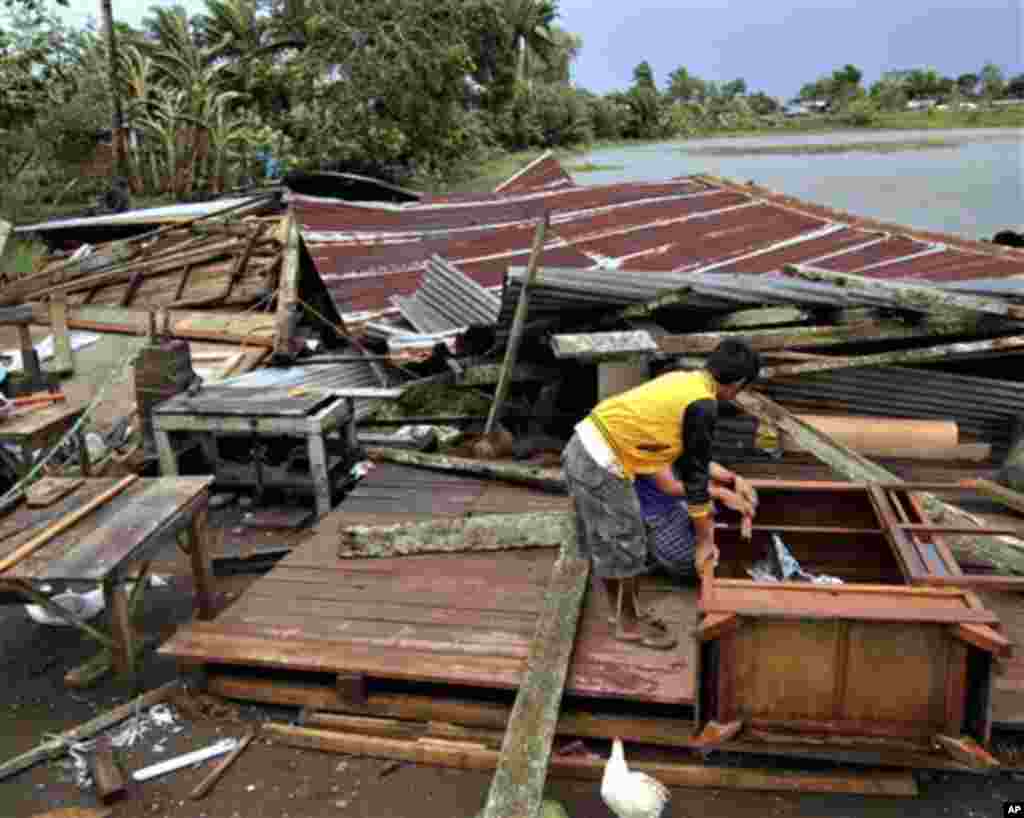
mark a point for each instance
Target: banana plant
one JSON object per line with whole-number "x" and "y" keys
{"x": 159, "y": 119}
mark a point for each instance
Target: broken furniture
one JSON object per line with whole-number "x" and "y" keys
{"x": 323, "y": 422}
{"x": 34, "y": 428}
{"x": 94, "y": 535}
{"x": 882, "y": 660}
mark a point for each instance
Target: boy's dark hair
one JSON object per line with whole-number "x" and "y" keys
{"x": 734, "y": 361}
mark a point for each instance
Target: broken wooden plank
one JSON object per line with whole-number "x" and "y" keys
{"x": 663, "y": 732}
{"x": 715, "y": 734}
{"x": 967, "y": 751}
{"x": 57, "y": 746}
{"x": 251, "y": 329}
{"x": 984, "y": 637}
{"x": 746, "y": 318}
{"x": 471, "y": 756}
{"x": 715, "y": 625}
{"x": 26, "y": 550}
{"x": 207, "y": 784}
{"x": 604, "y": 346}
{"x": 916, "y": 297}
{"x": 1001, "y": 494}
{"x": 986, "y": 582}
{"x": 288, "y": 309}
{"x": 49, "y": 490}
{"x": 542, "y": 478}
{"x": 897, "y": 357}
{"x": 522, "y": 770}
{"x": 480, "y": 532}
{"x": 825, "y": 335}
{"x": 106, "y": 774}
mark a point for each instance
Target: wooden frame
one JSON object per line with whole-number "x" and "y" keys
{"x": 883, "y": 657}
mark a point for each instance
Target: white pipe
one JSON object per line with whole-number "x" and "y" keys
{"x": 153, "y": 770}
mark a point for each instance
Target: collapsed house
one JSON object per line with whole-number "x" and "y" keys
{"x": 369, "y": 303}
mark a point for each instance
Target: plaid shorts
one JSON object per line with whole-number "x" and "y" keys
{"x": 609, "y": 528}
{"x": 672, "y": 542}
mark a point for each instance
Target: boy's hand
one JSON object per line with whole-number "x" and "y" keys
{"x": 743, "y": 488}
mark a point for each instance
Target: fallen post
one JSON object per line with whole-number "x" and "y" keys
{"x": 58, "y": 745}
{"x": 473, "y": 756}
{"x": 518, "y": 322}
{"x": 518, "y": 785}
{"x": 482, "y": 532}
{"x": 545, "y": 479}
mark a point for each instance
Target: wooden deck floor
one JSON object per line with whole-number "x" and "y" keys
{"x": 463, "y": 619}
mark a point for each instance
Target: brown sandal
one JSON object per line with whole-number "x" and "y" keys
{"x": 649, "y": 635}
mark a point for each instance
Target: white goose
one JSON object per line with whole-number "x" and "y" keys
{"x": 631, "y": 794}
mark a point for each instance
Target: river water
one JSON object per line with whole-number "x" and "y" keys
{"x": 972, "y": 189}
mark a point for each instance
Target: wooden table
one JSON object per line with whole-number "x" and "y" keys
{"x": 101, "y": 547}
{"x": 218, "y": 412}
{"x": 30, "y": 429}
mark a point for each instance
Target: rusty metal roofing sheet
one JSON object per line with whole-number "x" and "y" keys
{"x": 368, "y": 253}
{"x": 543, "y": 172}
{"x": 448, "y": 299}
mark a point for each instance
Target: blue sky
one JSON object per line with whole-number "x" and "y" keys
{"x": 774, "y": 45}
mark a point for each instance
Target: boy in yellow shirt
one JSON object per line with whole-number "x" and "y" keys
{"x": 663, "y": 426}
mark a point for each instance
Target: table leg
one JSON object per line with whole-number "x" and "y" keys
{"x": 202, "y": 565}
{"x": 168, "y": 460}
{"x": 318, "y": 471}
{"x": 121, "y": 626}
{"x": 83, "y": 453}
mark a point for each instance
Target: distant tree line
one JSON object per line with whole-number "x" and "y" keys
{"x": 408, "y": 90}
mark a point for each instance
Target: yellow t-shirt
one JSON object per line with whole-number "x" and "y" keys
{"x": 644, "y": 425}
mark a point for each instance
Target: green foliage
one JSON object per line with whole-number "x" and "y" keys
{"x": 644, "y": 103}
{"x": 888, "y": 95}
{"x": 861, "y": 113}
{"x": 563, "y": 115}
{"x": 609, "y": 117}
{"x": 684, "y": 87}
{"x": 992, "y": 81}
{"x": 762, "y": 104}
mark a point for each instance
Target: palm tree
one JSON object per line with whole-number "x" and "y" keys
{"x": 117, "y": 129}
{"x": 530, "y": 23}
{"x": 198, "y": 69}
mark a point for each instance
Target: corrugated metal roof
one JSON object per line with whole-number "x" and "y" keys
{"x": 448, "y": 299}
{"x": 168, "y": 214}
{"x": 982, "y": 407}
{"x": 368, "y": 253}
{"x": 543, "y": 172}
{"x": 319, "y": 377}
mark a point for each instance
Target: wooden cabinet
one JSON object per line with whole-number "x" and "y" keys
{"x": 880, "y": 658}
